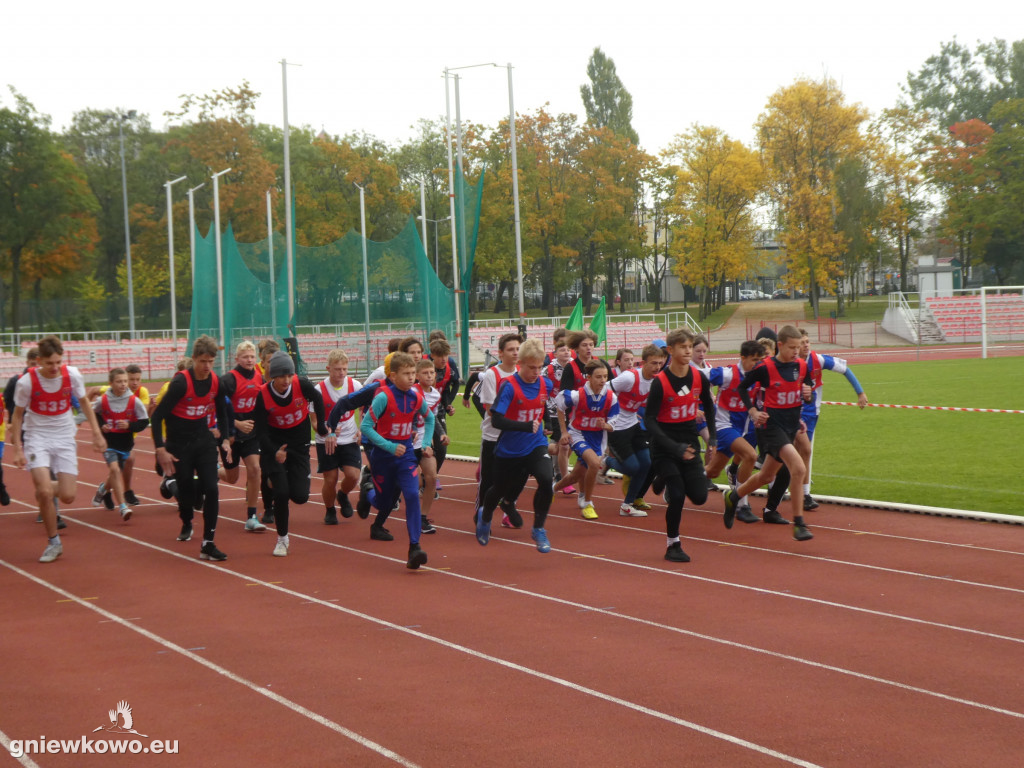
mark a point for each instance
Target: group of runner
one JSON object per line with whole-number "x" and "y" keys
{"x": 653, "y": 420}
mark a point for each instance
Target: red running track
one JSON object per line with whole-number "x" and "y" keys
{"x": 888, "y": 640}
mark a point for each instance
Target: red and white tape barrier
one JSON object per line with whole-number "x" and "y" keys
{"x": 929, "y": 407}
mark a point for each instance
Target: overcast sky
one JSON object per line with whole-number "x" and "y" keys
{"x": 376, "y": 65}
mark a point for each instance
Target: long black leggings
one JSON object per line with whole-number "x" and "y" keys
{"x": 198, "y": 458}
{"x": 289, "y": 482}
{"x": 510, "y": 475}
{"x": 683, "y": 479}
{"x": 779, "y": 488}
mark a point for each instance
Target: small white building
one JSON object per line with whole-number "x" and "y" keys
{"x": 938, "y": 276}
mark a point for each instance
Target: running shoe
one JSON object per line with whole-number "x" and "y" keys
{"x": 675, "y": 554}
{"x": 131, "y": 499}
{"x": 642, "y": 505}
{"x": 731, "y": 499}
{"x": 380, "y": 533}
{"x": 281, "y": 548}
{"x": 603, "y": 479}
{"x": 52, "y": 552}
{"x": 97, "y": 498}
{"x": 186, "y": 532}
{"x": 588, "y": 512}
{"x": 569, "y": 490}
{"x": 209, "y": 551}
{"x": 345, "y": 507}
{"x": 802, "y": 533}
{"x": 483, "y": 531}
{"x": 772, "y": 517}
{"x": 745, "y": 515}
{"x": 253, "y": 525}
{"x": 512, "y": 515}
{"x": 108, "y": 500}
{"x": 331, "y": 516}
{"x": 5, "y": 497}
{"x": 732, "y": 472}
{"x": 427, "y": 526}
{"x": 365, "y": 484}
{"x": 540, "y": 536}
{"x": 417, "y": 557}
{"x": 126, "y": 512}
{"x": 628, "y": 510}
{"x": 810, "y": 503}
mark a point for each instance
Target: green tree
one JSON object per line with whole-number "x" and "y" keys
{"x": 45, "y": 203}
{"x": 606, "y": 100}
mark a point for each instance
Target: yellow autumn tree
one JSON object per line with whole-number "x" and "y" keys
{"x": 806, "y": 131}
{"x": 716, "y": 182}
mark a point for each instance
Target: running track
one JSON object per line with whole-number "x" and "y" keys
{"x": 889, "y": 640}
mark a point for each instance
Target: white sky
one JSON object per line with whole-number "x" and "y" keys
{"x": 376, "y": 65}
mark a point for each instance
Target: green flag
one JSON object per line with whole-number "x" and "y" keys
{"x": 575, "y": 321}
{"x": 599, "y": 324}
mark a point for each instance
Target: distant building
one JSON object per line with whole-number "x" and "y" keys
{"x": 939, "y": 276}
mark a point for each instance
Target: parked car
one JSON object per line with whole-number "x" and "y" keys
{"x": 872, "y": 292}
{"x": 746, "y": 295}
{"x": 781, "y": 293}
{"x": 761, "y": 295}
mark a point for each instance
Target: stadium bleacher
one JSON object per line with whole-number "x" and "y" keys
{"x": 959, "y": 317}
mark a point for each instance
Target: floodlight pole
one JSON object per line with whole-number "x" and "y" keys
{"x": 451, "y": 213}
{"x": 515, "y": 197}
{"x": 127, "y": 228}
{"x": 423, "y": 211}
{"x": 289, "y": 245}
{"x": 366, "y": 273}
{"x": 270, "y": 247}
{"x": 192, "y": 240}
{"x": 170, "y": 263}
{"x": 220, "y": 266}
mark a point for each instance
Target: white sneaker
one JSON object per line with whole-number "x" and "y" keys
{"x": 51, "y": 553}
{"x": 254, "y": 524}
{"x": 615, "y": 474}
{"x": 628, "y": 510}
{"x": 126, "y": 512}
{"x": 281, "y": 549}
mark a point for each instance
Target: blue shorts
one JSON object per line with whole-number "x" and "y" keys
{"x": 112, "y": 454}
{"x": 811, "y": 422}
{"x": 581, "y": 442}
{"x": 726, "y": 437}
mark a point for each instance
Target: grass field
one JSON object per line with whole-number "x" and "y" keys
{"x": 936, "y": 458}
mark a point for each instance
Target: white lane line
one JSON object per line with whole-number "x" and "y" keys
{"x": 171, "y": 646}
{"x": 383, "y": 623}
{"x": 25, "y": 760}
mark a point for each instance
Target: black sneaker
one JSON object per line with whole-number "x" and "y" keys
{"x": 772, "y": 517}
{"x": 380, "y": 533}
{"x": 509, "y": 508}
{"x": 186, "y": 532}
{"x": 197, "y": 505}
{"x": 108, "y": 500}
{"x": 732, "y": 472}
{"x": 810, "y": 503}
{"x": 268, "y": 517}
{"x": 745, "y": 515}
{"x": 365, "y": 484}
{"x": 426, "y": 526}
{"x": 712, "y": 486}
{"x": 417, "y": 557}
{"x": 802, "y": 533}
{"x": 209, "y": 551}
{"x": 675, "y": 554}
{"x": 131, "y": 499}
{"x": 61, "y": 525}
{"x": 5, "y": 497}
{"x": 331, "y": 518}
{"x": 731, "y": 498}
{"x": 345, "y": 507}
{"x": 165, "y": 488}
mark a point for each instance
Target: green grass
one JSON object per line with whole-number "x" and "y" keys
{"x": 934, "y": 458}
{"x": 866, "y": 309}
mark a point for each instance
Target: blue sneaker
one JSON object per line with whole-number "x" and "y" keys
{"x": 483, "y": 531}
{"x": 541, "y": 537}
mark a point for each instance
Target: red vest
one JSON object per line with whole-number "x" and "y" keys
{"x": 631, "y": 400}
{"x": 50, "y": 403}
{"x": 328, "y": 401}
{"x": 729, "y": 397}
{"x": 442, "y": 381}
{"x": 523, "y": 408}
{"x": 192, "y": 406}
{"x": 290, "y": 414}
{"x": 394, "y": 424}
{"x": 782, "y": 393}
{"x": 579, "y": 378}
{"x": 814, "y": 365}
{"x": 110, "y": 418}
{"x": 584, "y": 418}
{"x": 246, "y": 392}
{"x": 676, "y": 408}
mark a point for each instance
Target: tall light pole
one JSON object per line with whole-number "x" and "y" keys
{"x": 515, "y": 172}
{"x": 121, "y": 118}
{"x": 451, "y": 214}
{"x": 273, "y": 277}
{"x": 423, "y": 212}
{"x": 366, "y": 273}
{"x": 170, "y": 262}
{"x": 289, "y": 245}
{"x": 220, "y": 266}
{"x": 192, "y": 236}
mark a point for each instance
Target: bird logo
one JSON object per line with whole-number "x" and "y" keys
{"x": 123, "y": 713}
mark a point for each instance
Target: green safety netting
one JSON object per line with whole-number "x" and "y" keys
{"x": 406, "y": 296}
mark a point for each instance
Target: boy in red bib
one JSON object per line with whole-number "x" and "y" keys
{"x": 241, "y": 387}
{"x": 787, "y": 384}
{"x": 390, "y": 426}
{"x": 121, "y": 414}
{"x": 189, "y": 451}
{"x": 42, "y": 404}
{"x": 282, "y": 420}
{"x": 671, "y": 420}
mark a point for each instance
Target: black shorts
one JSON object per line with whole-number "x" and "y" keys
{"x": 771, "y": 440}
{"x": 552, "y": 425}
{"x": 239, "y": 450}
{"x": 347, "y": 455}
{"x": 624, "y": 443}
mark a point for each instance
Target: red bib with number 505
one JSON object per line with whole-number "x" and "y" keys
{"x": 782, "y": 393}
